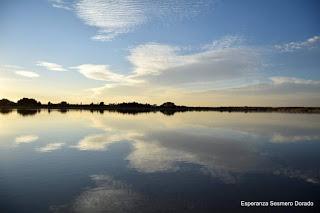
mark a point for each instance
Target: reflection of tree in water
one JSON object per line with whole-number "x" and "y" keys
{"x": 28, "y": 112}
{"x": 139, "y": 111}
{"x": 168, "y": 112}
{"x": 63, "y": 110}
{"x": 5, "y": 111}
{"x": 131, "y": 111}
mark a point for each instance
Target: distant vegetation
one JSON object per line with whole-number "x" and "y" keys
{"x": 28, "y": 106}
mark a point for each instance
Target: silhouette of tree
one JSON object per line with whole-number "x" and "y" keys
{"x": 28, "y": 102}
{"x": 6, "y": 103}
{"x": 63, "y": 104}
{"x": 168, "y": 104}
{"x": 30, "y": 106}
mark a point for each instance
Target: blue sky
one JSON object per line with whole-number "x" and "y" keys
{"x": 204, "y": 52}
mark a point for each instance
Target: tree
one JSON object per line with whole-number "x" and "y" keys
{"x": 6, "y": 103}
{"x": 64, "y": 104}
{"x": 28, "y": 102}
{"x": 168, "y": 104}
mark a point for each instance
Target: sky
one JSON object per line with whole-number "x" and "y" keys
{"x": 200, "y": 53}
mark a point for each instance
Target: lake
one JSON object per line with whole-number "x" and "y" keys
{"x": 82, "y": 161}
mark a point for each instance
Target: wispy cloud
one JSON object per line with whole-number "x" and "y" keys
{"x": 104, "y": 73}
{"x": 61, "y": 4}
{"x": 51, "y": 66}
{"x": 152, "y": 58}
{"x": 225, "y": 42}
{"x": 26, "y": 139}
{"x": 112, "y": 18}
{"x": 10, "y": 66}
{"x": 50, "y": 147}
{"x": 18, "y": 70}
{"x": 99, "y": 72}
{"x": 292, "y": 80}
{"x": 27, "y": 74}
{"x": 166, "y": 65}
{"x": 294, "y": 46}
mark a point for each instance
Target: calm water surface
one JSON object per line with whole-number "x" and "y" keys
{"x": 186, "y": 162}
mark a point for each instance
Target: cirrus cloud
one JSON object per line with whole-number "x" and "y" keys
{"x": 116, "y": 17}
{"x": 110, "y": 17}
{"x": 18, "y": 70}
{"x": 61, "y": 4}
{"x": 298, "y": 45}
{"x": 99, "y": 72}
{"x": 51, "y": 66}
{"x": 292, "y": 80}
{"x": 27, "y": 74}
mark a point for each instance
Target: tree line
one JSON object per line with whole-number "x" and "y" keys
{"x": 167, "y": 108}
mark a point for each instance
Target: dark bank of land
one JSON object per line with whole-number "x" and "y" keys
{"x": 168, "y": 108}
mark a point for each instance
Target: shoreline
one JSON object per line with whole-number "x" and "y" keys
{"x": 29, "y": 104}
{"x": 166, "y": 110}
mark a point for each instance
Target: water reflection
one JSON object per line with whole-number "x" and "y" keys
{"x": 28, "y": 112}
{"x": 50, "y": 147}
{"x": 101, "y": 142}
{"x": 224, "y": 150}
{"x": 5, "y": 111}
{"x": 279, "y": 138}
{"x": 147, "y": 160}
{"x": 106, "y": 195}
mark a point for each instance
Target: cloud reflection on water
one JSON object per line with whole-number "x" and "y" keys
{"x": 100, "y": 142}
{"x": 224, "y": 145}
{"x": 26, "y": 139}
{"x": 133, "y": 155}
{"x": 50, "y": 147}
{"x": 107, "y": 195}
{"x": 223, "y": 149}
{"x": 279, "y": 138}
